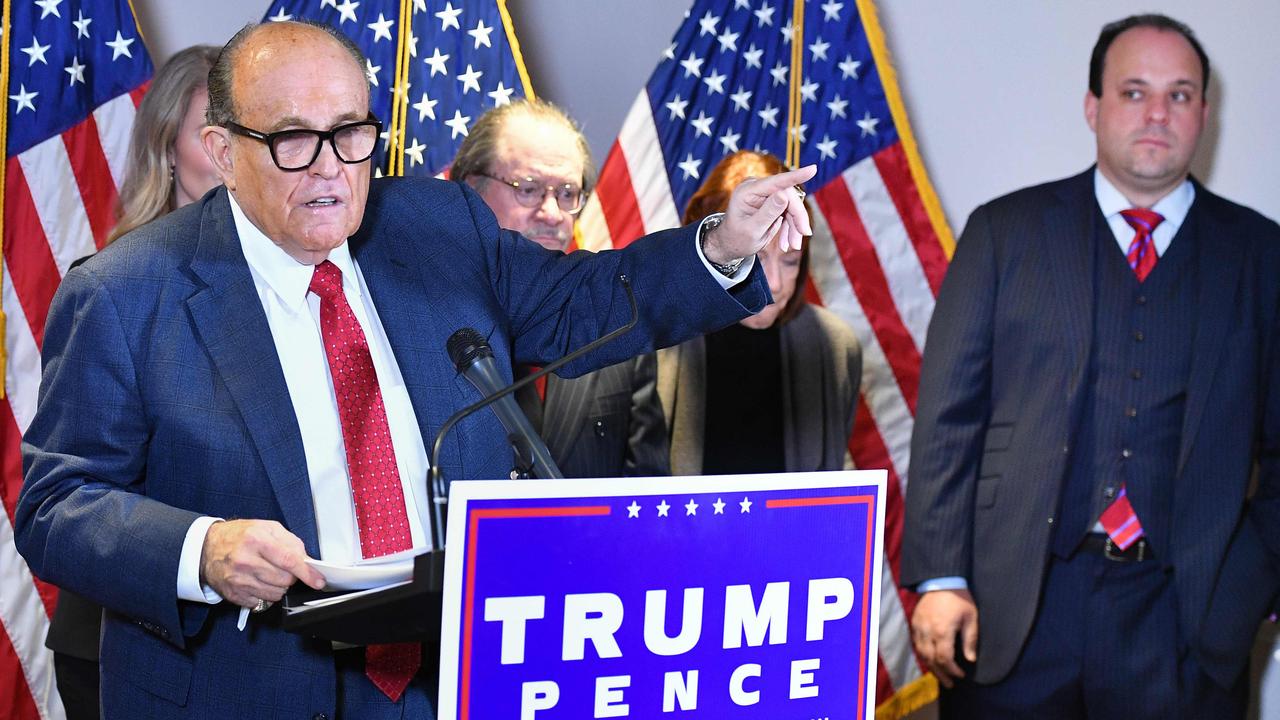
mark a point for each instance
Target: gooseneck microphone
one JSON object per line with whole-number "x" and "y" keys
{"x": 473, "y": 356}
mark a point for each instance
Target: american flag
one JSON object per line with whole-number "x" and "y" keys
{"x": 432, "y": 76}
{"x": 75, "y": 71}
{"x": 811, "y": 83}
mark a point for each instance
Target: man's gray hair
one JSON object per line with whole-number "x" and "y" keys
{"x": 477, "y": 153}
{"x": 221, "y": 102}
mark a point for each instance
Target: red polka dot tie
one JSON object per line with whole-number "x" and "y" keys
{"x": 1142, "y": 249}
{"x": 371, "y": 459}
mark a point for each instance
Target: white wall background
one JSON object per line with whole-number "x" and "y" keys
{"x": 994, "y": 88}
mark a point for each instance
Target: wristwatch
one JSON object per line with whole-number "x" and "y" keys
{"x": 711, "y": 223}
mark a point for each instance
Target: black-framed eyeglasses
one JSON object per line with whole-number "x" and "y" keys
{"x": 531, "y": 193}
{"x": 296, "y": 149}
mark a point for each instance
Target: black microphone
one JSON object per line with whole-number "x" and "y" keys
{"x": 437, "y": 493}
{"x": 472, "y": 355}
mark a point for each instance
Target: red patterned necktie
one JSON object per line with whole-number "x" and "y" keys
{"x": 1142, "y": 250}
{"x": 371, "y": 460}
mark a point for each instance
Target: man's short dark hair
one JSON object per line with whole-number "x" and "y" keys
{"x": 1151, "y": 20}
{"x": 221, "y": 104}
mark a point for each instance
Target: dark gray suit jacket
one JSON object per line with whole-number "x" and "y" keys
{"x": 1000, "y": 404}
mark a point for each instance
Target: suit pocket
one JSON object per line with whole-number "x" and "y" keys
{"x": 146, "y": 662}
{"x": 985, "y": 493}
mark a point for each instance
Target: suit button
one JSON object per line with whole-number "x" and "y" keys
{"x": 1136, "y": 374}
{"x": 320, "y": 716}
{"x": 1131, "y": 412}
{"x": 1050, "y": 520}
{"x": 1126, "y": 453}
{"x": 1066, "y": 449}
{"x": 1137, "y": 335}
{"x": 599, "y": 427}
{"x": 1142, "y": 299}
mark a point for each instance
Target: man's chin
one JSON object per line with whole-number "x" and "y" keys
{"x": 551, "y": 243}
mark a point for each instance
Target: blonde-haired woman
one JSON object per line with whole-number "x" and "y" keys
{"x": 167, "y": 169}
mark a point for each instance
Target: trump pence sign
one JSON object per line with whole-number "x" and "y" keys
{"x": 747, "y": 596}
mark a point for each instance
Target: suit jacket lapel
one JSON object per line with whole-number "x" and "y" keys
{"x": 1220, "y": 262}
{"x": 1069, "y": 233}
{"x": 229, "y": 319}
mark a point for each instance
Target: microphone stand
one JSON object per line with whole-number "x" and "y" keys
{"x": 437, "y": 492}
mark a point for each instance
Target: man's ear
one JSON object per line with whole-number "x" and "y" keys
{"x": 217, "y": 145}
{"x": 1091, "y": 110}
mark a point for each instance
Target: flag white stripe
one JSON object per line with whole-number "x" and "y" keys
{"x": 642, "y": 152}
{"x": 56, "y": 196}
{"x": 884, "y": 398}
{"x": 115, "y": 123}
{"x": 26, "y": 623}
{"x": 897, "y": 256}
{"x": 895, "y": 633}
{"x": 22, "y": 370}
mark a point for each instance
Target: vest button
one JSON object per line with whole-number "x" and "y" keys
{"x": 1142, "y": 299}
{"x": 1136, "y": 374}
{"x": 320, "y": 716}
{"x": 1109, "y": 493}
{"x": 1126, "y": 453}
{"x": 1131, "y": 412}
{"x": 1137, "y": 335}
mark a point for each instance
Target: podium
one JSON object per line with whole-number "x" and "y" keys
{"x": 398, "y": 613}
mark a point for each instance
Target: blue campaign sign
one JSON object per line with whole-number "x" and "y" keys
{"x": 744, "y": 596}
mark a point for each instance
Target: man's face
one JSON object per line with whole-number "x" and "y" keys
{"x": 1152, "y": 110}
{"x": 288, "y": 77}
{"x": 548, "y": 153}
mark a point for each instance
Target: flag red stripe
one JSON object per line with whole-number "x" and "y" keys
{"x": 884, "y": 683}
{"x": 618, "y": 199}
{"x": 33, "y": 271}
{"x": 15, "y": 697}
{"x": 896, "y": 173}
{"x": 871, "y": 287}
{"x": 11, "y": 463}
{"x": 137, "y": 93}
{"x": 93, "y": 176}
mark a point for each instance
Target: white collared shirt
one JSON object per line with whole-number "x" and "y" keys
{"x": 1173, "y": 207}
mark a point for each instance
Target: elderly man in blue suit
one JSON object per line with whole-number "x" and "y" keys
{"x": 1101, "y": 380}
{"x": 247, "y": 383}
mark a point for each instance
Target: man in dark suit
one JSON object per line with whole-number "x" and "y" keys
{"x": 532, "y": 166}
{"x": 1100, "y": 382}
{"x": 247, "y": 383}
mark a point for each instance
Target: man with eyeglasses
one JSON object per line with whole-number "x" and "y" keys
{"x": 532, "y": 166}
{"x": 247, "y": 383}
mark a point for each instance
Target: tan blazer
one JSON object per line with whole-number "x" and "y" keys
{"x": 821, "y": 372}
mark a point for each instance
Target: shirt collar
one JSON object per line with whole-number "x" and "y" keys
{"x": 282, "y": 275}
{"x": 1172, "y": 207}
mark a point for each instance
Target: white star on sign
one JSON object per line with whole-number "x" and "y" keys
{"x": 436, "y": 61}
{"x": 413, "y": 44}
{"x": 458, "y": 124}
{"x": 24, "y": 98}
{"x": 281, "y": 16}
{"x": 728, "y": 41}
{"x": 769, "y": 115}
{"x": 715, "y": 82}
{"x": 470, "y": 79}
{"x": 663, "y": 509}
{"x": 719, "y": 506}
{"x": 328, "y": 3}
{"x": 831, "y": 10}
{"x": 690, "y": 167}
{"x": 481, "y": 34}
{"x": 448, "y": 16}
{"x": 691, "y": 508}
{"x": 692, "y": 65}
{"x": 752, "y": 56}
{"x": 745, "y": 506}
{"x": 779, "y": 73}
{"x": 741, "y": 99}
{"x": 120, "y": 46}
{"x": 382, "y": 28}
{"x": 347, "y": 11}
{"x": 827, "y": 148}
{"x": 371, "y": 72}
{"x": 633, "y": 510}
{"x": 36, "y": 52}
{"x": 82, "y": 24}
{"x": 414, "y": 153}
{"x": 75, "y": 70}
{"x": 837, "y": 107}
{"x": 677, "y": 106}
{"x": 809, "y": 91}
{"x": 868, "y": 124}
{"x": 702, "y": 124}
{"x": 799, "y": 131}
{"x": 426, "y": 108}
{"x": 788, "y": 31}
{"x": 765, "y": 15}
{"x": 707, "y": 25}
{"x": 730, "y": 142}
{"x": 49, "y": 7}
{"x": 501, "y": 96}
{"x": 849, "y": 67}
{"x": 819, "y": 49}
